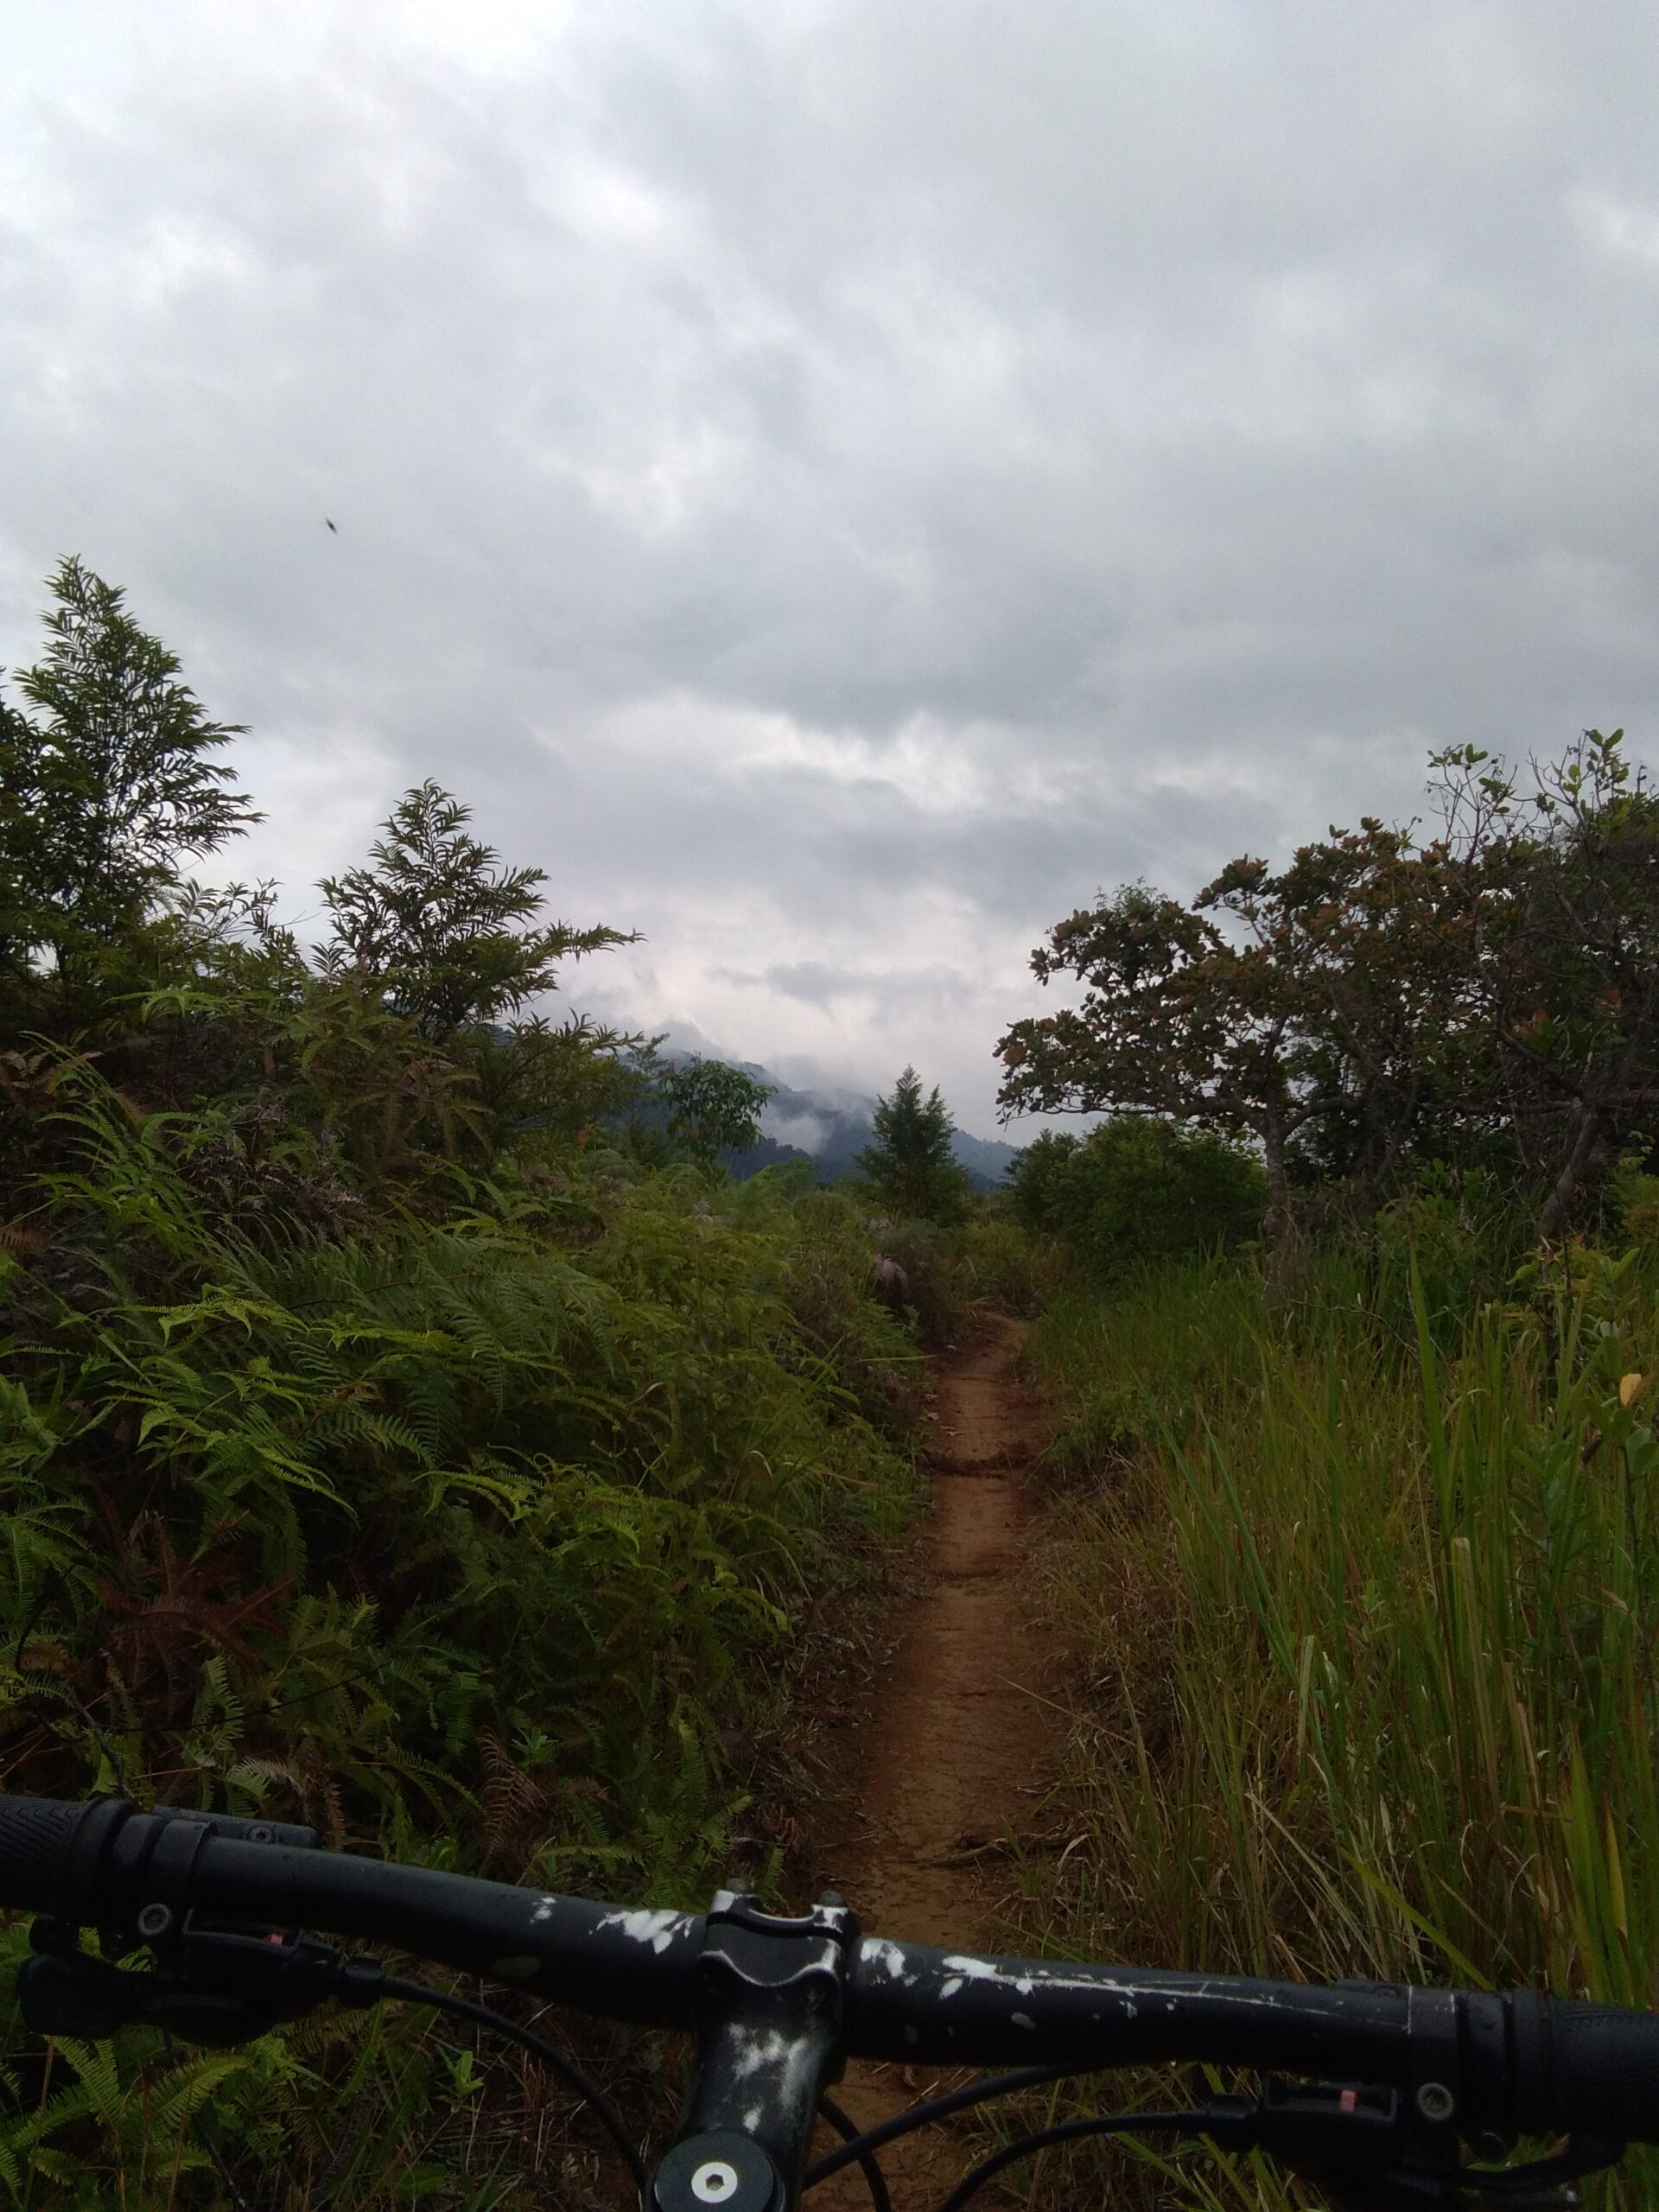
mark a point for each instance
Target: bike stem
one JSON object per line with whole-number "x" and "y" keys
{"x": 768, "y": 2022}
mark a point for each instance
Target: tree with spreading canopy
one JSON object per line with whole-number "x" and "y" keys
{"x": 1489, "y": 995}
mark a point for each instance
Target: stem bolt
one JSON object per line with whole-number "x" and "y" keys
{"x": 718, "y": 2170}
{"x": 154, "y": 1921}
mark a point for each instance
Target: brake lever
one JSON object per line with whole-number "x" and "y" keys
{"x": 210, "y": 1987}
{"x": 1353, "y": 2143}
{"x": 1358, "y": 2146}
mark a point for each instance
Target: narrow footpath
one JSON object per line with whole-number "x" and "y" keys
{"x": 953, "y": 1747}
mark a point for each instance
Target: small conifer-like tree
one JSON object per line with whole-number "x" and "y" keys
{"x": 445, "y": 933}
{"x": 107, "y": 786}
{"x": 911, "y": 1166}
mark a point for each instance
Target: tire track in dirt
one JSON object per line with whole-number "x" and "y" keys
{"x": 954, "y": 1744}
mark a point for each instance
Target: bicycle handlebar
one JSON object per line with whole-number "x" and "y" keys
{"x": 1475, "y": 2063}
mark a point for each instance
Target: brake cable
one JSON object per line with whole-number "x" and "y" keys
{"x": 939, "y": 2107}
{"x": 844, "y": 2124}
{"x": 417, "y": 1993}
{"x": 1288, "y": 2123}
{"x": 63, "y": 1991}
{"x": 1536, "y": 2187}
{"x": 1109, "y": 2123}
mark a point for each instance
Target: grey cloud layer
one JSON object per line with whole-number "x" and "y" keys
{"x": 836, "y": 483}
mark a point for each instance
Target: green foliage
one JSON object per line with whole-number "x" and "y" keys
{"x": 379, "y": 1446}
{"x": 1436, "y": 1255}
{"x": 1137, "y": 1191}
{"x": 435, "y": 926}
{"x": 712, "y": 1108}
{"x": 1037, "y": 1181}
{"x": 465, "y": 1535}
{"x": 1633, "y": 1200}
{"x": 103, "y": 795}
{"x": 1000, "y": 1262}
{"x": 910, "y": 1167}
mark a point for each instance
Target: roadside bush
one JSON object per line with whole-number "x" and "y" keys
{"x": 1000, "y": 1261}
{"x": 938, "y": 1295}
{"x": 1137, "y": 1191}
{"x": 1438, "y": 1252}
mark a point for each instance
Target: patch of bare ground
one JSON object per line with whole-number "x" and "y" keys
{"x": 938, "y": 1771}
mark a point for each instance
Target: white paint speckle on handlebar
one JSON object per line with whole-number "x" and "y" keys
{"x": 657, "y": 1930}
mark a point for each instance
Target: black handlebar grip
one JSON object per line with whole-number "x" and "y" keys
{"x": 63, "y": 1860}
{"x": 1606, "y": 2071}
{"x": 37, "y": 1848}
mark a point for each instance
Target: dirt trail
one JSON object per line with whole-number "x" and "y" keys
{"x": 954, "y": 1736}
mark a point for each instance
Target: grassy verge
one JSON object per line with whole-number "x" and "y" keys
{"x": 1363, "y": 1619}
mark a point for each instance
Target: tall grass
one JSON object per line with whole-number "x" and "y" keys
{"x": 1365, "y": 1636}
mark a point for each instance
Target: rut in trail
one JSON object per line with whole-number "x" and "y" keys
{"x": 953, "y": 1748}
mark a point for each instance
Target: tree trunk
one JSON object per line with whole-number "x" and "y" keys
{"x": 1377, "y": 1162}
{"x": 1276, "y": 1220}
{"x": 1585, "y": 1128}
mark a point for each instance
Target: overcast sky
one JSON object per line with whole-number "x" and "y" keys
{"x": 836, "y": 484}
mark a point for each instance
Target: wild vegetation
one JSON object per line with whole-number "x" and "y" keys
{"x": 408, "y": 1427}
{"x": 389, "y": 1441}
{"x": 1356, "y": 1533}
{"x": 1487, "y": 999}
{"x": 1136, "y": 1190}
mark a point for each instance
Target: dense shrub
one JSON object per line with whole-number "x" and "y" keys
{"x": 1137, "y": 1191}
{"x": 998, "y": 1261}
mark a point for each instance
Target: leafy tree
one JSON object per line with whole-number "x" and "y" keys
{"x": 712, "y": 1108}
{"x": 440, "y": 929}
{"x": 1489, "y": 998}
{"x": 910, "y": 1165}
{"x": 1036, "y": 1179}
{"x": 107, "y": 787}
{"x": 1175, "y": 1021}
{"x": 1564, "y": 980}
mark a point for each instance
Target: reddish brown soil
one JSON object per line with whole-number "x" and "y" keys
{"x": 952, "y": 1747}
